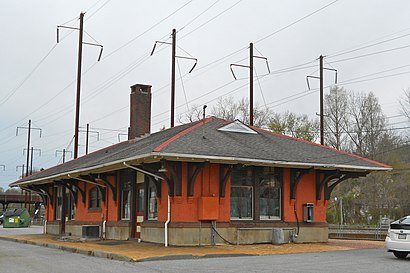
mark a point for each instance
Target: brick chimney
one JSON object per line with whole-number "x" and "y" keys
{"x": 140, "y": 111}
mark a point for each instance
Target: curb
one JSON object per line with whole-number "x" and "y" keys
{"x": 99, "y": 254}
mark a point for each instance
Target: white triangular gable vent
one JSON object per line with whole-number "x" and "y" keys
{"x": 237, "y": 127}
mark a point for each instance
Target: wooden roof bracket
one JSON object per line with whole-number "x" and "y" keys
{"x": 193, "y": 170}
{"x": 329, "y": 187}
{"x": 295, "y": 177}
{"x": 224, "y": 174}
{"x": 113, "y": 188}
{"x": 321, "y": 182}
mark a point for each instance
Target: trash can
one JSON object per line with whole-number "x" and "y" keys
{"x": 278, "y": 237}
{"x": 16, "y": 218}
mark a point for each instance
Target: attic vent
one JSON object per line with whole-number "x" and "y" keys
{"x": 237, "y": 127}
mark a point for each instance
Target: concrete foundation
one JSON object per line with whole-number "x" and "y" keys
{"x": 180, "y": 236}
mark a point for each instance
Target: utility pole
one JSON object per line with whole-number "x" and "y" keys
{"x": 173, "y": 57}
{"x": 322, "y": 127}
{"x": 173, "y": 61}
{"x": 88, "y": 132}
{"x": 251, "y": 67}
{"x": 321, "y": 96}
{"x": 29, "y": 128}
{"x": 32, "y": 152}
{"x": 86, "y": 139}
{"x": 77, "y": 102}
{"x": 63, "y": 152}
{"x": 251, "y": 84}
{"x": 79, "y": 65}
{"x": 22, "y": 169}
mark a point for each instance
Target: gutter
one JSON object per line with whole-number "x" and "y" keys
{"x": 213, "y": 159}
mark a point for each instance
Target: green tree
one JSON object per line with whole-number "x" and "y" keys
{"x": 294, "y": 125}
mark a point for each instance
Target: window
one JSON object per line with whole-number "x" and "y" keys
{"x": 140, "y": 192}
{"x": 141, "y": 199}
{"x": 71, "y": 205}
{"x": 269, "y": 195}
{"x": 256, "y": 185}
{"x": 95, "y": 198}
{"x": 242, "y": 194}
{"x": 152, "y": 202}
{"x": 126, "y": 201}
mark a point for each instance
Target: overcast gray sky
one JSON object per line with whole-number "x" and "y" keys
{"x": 367, "y": 41}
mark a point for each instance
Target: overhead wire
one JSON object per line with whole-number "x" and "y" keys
{"x": 210, "y": 20}
{"x": 144, "y": 32}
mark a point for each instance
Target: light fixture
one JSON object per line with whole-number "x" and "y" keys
{"x": 162, "y": 169}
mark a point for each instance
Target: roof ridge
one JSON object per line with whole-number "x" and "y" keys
{"x": 323, "y": 146}
{"x": 182, "y": 133}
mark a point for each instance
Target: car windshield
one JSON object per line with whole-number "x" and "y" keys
{"x": 403, "y": 223}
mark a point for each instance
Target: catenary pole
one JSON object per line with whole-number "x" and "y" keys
{"x": 77, "y": 106}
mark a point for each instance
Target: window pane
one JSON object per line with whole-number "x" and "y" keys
{"x": 152, "y": 205}
{"x": 241, "y": 202}
{"x": 269, "y": 195}
{"x": 140, "y": 200}
{"x": 125, "y": 204}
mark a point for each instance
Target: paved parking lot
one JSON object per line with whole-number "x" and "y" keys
{"x": 17, "y": 257}
{"x": 21, "y": 231}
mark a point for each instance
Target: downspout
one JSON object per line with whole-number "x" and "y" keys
{"x": 106, "y": 215}
{"x": 167, "y": 222}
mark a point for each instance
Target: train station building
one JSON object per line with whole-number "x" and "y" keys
{"x": 205, "y": 182}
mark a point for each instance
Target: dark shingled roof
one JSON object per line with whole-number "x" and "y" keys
{"x": 203, "y": 140}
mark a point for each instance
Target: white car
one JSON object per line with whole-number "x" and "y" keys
{"x": 398, "y": 237}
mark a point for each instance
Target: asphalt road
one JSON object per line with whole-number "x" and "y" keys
{"x": 17, "y": 257}
{"x": 21, "y": 231}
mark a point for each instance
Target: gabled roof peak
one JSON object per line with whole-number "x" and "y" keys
{"x": 237, "y": 127}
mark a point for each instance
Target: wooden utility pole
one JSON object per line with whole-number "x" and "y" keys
{"x": 173, "y": 57}
{"x": 321, "y": 99}
{"x": 173, "y": 61}
{"x": 28, "y": 146}
{"x": 79, "y": 64}
{"x": 322, "y": 134}
{"x": 86, "y": 138}
{"x": 250, "y": 66}
{"x": 251, "y": 84}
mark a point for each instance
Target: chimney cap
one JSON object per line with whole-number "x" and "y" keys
{"x": 140, "y": 85}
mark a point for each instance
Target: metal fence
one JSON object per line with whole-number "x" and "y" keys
{"x": 357, "y": 232}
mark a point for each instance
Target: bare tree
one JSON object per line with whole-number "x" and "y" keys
{"x": 229, "y": 109}
{"x": 336, "y": 112}
{"x": 194, "y": 113}
{"x": 405, "y": 103}
{"x": 365, "y": 123}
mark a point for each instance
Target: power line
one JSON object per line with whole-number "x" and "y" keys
{"x": 196, "y": 17}
{"x": 210, "y": 20}
{"x": 297, "y": 21}
{"x": 147, "y": 30}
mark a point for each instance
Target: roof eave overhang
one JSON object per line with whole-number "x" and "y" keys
{"x": 156, "y": 156}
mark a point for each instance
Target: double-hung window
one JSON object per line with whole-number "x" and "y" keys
{"x": 242, "y": 194}
{"x": 269, "y": 195}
